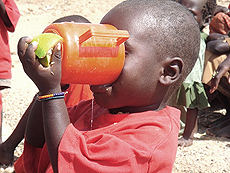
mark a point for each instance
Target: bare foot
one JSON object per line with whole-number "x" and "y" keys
{"x": 185, "y": 142}
{"x": 6, "y": 156}
{"x": 223, "y": 132}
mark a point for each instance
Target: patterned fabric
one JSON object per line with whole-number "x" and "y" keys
{"x": 220, "y": 23}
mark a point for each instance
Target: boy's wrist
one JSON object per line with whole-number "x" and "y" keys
{"x": 60, "y": 95}
{"x": 50, "y": 91}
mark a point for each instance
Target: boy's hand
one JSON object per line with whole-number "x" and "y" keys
{"x": 221, "y": 70}
{"x": 216, "y": 36}
{"x": 47, "y": 79}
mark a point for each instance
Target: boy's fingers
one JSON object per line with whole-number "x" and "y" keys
{"x": 56, "y": 56}
{"x": 57, "y": 53}
{"x": 22, "y": 46}
{"x": 214, "y": 85}
{"x": 30, "y": 57}
{"x": 215, "y": 81}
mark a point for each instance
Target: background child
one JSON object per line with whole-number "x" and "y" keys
{"x": 128, "y": 126}
{"x": 192, "y": 94}
{"x": 76, "y": 93}
{"x": 9, "y": 15}
{"x": 218, "y": 48}
{"x": 223, "y": 128}
{"x": 221, "y": 21}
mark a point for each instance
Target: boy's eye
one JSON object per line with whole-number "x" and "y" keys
{"x": 127, "y": 52}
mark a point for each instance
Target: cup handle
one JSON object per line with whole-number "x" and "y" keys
{"x": 121, "y": 35}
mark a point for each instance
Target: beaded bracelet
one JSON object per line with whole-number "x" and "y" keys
{"x": 52, "y": 96}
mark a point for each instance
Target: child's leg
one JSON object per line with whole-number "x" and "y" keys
{"x": 7, "y": 148}
{"x": 190, "y": 128}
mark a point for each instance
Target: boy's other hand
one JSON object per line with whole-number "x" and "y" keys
{"x": 47, "y": 79}
{"x": 221, "y": 70}
{"x": 216, "y": 36}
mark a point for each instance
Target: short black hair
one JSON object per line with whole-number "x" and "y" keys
{"x": 72, "y": 18}
{"x": 209, "y": 8}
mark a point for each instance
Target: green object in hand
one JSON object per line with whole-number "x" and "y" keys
{"x": 46, "y": 43}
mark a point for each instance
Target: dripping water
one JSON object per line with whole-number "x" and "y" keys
{"x": 91, "y": 119}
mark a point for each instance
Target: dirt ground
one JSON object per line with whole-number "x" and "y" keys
{"x": 207, "y": 155}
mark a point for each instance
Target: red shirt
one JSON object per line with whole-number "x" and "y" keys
{"x": 5, "y": 55}
{"x": 76, "y": 93}
{"x": 137, "y": 142}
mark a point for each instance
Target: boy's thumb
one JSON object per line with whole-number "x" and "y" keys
{"x": 57, "y": 53}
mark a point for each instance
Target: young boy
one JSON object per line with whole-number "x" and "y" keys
{"x": 223, "y": 128}
{"x": 128, "y": 127}
{"x": 215, "y": 76}
{"x": 192, "y": 93}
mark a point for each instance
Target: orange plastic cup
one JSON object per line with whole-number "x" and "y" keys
{"x": 91, "y": 53}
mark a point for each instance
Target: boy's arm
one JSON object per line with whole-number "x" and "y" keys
{"x": 55, "y": 116}
{"x": 218, "y": 47}
{"x": 221, "y": 70}
{"x": 34, "y": 132}
{"x": 4, "y": 16}
{"x": 56, "y": 120}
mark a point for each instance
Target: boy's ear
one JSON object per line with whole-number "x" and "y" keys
{"x": 207, "y": 20}
{"x": 171, "y": 70}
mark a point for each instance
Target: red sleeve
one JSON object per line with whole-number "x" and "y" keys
{"x": 12, "y": 12}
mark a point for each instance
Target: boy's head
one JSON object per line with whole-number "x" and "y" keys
{"x": 72, "y": 18}
{"x": 203, "y": 10}
{"x": 164, "y": 39}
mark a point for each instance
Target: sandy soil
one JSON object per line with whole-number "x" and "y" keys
{"x": 208, "y": 154}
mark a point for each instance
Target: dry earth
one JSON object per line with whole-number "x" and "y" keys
{"x": 208, "y": 154}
